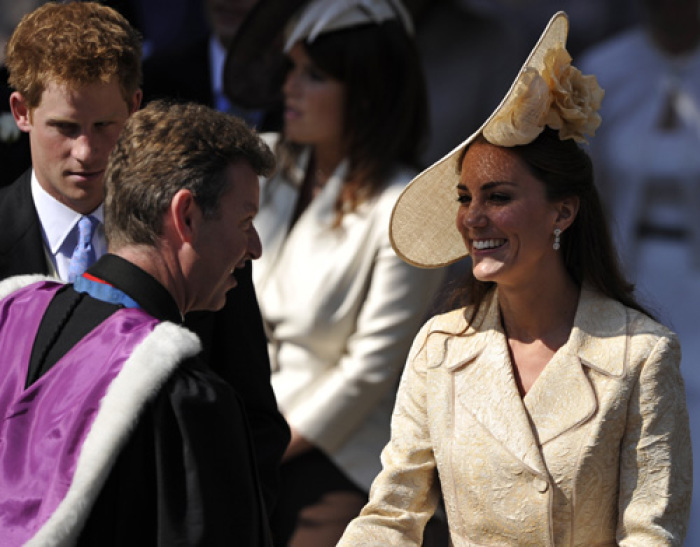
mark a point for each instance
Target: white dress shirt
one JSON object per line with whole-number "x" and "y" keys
{"x": 59, "y": 229}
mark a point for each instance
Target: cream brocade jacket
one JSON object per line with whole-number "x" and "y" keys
{"x": 597, "y": 453}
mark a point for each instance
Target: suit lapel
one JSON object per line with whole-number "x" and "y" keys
{"x": 21, "y": 245}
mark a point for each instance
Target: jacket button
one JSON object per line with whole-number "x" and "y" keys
{"x": 541, "y": 485}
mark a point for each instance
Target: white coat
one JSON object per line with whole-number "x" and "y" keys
{"x": 341, "y": 311}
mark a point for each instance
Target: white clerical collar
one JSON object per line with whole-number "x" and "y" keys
{"x": 57, "y": 220}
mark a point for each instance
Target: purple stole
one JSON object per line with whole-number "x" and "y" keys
{"x": 43, "y": 428}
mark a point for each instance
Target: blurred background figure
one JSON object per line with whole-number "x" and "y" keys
{"x": 12, "y": 11}
{"x": 193, "y": 71}
{"x": 14, "y": 145}
{"x": 648, "y": 159}
{"x": 165, "y": 24}
{"x": 469, "y": 57}
{"x": 340, "y": 307}
{"x": 595, "y": 20}
{"x": 471, "y": 48}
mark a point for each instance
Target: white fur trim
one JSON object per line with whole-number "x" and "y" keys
{"x": 141, "y": 377}
{"x": 12, "y": 284}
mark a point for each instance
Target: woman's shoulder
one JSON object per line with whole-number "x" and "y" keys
{"x": 603, "y": 309}
{"x": 445, "y": 325}
{"x": 453, "y": 319}
{"x": 270, "y": 139}
{"x": 611, "y": 334}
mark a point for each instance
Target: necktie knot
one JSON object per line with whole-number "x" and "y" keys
{"x": 84, "y": 253}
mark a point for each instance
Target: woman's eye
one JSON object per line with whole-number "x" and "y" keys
{"x": 464, "y": 199}
{"x": 315, "y": 75}
{"x": 499, "y": 198}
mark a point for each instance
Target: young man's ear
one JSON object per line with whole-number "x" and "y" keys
{"x": 20, "y": 111}
{"x": 135, "y": 102}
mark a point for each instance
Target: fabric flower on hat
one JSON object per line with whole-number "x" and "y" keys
{"x": 575, "y": 98}
{"x": 523, "y": 115}
{"x": 560, "y": 97}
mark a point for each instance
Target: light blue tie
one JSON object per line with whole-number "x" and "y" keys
{"x": 84, "y": 254}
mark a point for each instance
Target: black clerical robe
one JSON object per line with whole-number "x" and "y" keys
{"x": 187, "y": 474}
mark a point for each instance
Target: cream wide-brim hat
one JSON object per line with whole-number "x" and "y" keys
{"x": 423, "y": 227}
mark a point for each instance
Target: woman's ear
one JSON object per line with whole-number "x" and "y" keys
{"x": 566, "y": 212}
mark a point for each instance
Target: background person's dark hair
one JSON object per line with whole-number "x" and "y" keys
{"x": 164, "y": 148}
{"x": 587, "y": 246}
{"x": 386, "y": 106}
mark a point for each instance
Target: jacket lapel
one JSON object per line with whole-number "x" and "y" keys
{"x": 485, "y": 386}
{"x": 21, "y": 244}
{"x": 561, "y": 399}
{"x": 279, "y": 197}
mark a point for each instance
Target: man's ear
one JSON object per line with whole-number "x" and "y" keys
{"x": 20, "y": 111}
{"x": 135, "y": 102}
{"x": 567, "y": 211}
{"x": 184, "y": 215}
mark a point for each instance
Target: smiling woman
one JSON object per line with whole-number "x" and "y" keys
{"x": 548, "y": 402}
{"x": 505, "y": 217}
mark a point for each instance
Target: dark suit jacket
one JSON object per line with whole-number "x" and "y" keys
{"x": 21, "y": 244}
{"x": 184, "y": 75}
{"x": 234, "y": 340}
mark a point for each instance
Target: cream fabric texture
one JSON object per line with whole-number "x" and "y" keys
{"x": 597, "y": 453}
{"x": 341, "y": 311}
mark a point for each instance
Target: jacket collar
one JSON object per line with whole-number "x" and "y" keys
{"x": 561, "y": 399}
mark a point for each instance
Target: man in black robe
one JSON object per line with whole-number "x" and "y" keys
{"x": 146, "y": 445}
{"x": 75, "y": 71}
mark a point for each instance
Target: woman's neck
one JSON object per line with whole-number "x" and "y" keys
{"x": 325, "y": 161}
{"x": 543, "y": 311}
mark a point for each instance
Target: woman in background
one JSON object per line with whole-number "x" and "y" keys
{"x": 341, "y": 308}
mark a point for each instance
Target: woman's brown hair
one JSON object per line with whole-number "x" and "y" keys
{"x": 386, "y": 108}
{"x": 587, "y": 248}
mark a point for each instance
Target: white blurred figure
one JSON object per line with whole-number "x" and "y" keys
{"x": 647, "y": 154}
